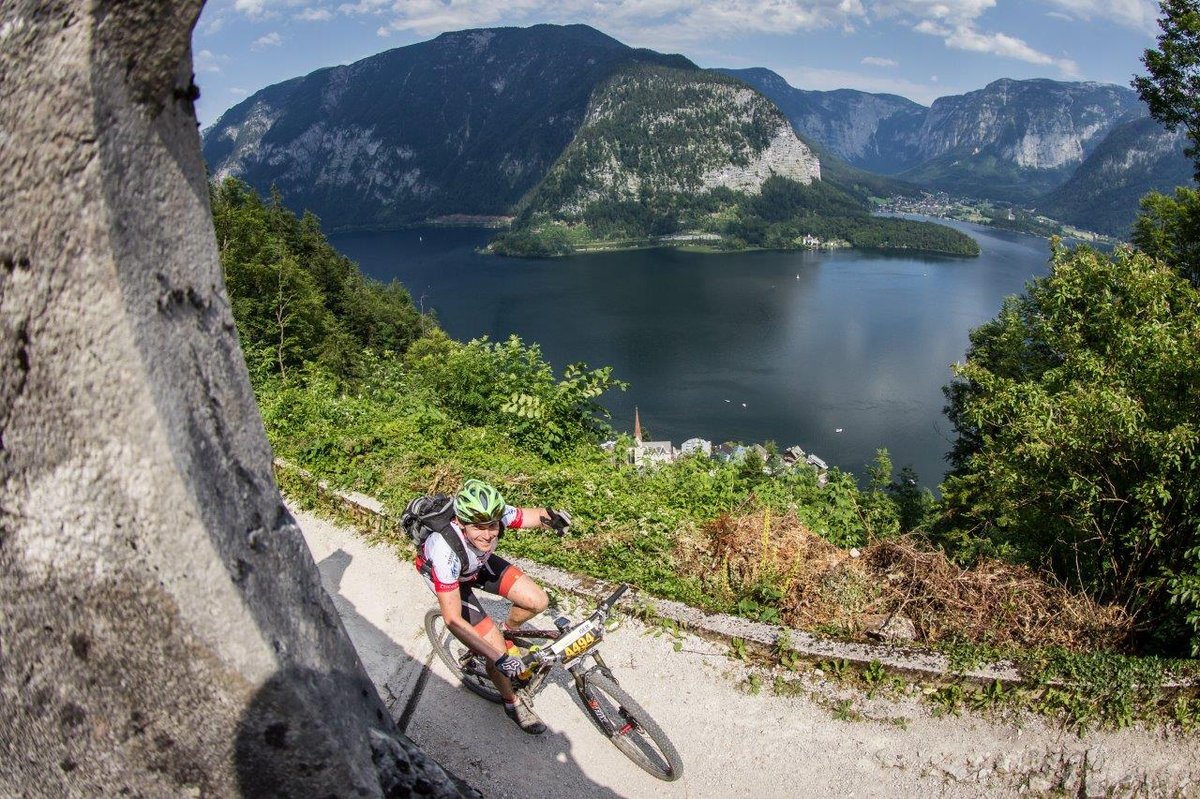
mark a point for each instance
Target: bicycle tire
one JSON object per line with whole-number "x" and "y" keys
{"x": 452, "y": 652}
{"x": 631, "y": 729}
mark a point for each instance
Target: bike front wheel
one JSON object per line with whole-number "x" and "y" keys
{"x": 465, "y": 664}
{"x": 630, "y": 728}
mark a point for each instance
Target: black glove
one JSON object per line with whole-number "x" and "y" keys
{"x": 509, "y": 666}
{"x": 560, "y": 520}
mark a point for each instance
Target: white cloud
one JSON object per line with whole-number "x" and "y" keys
{"x": 271, "y": 39}
{"x": 876, "y": 61}
{"x": 315, "y": 15}
{"x": 206, "y": 61}
{"x": 830, "y": 79}
{"x": 212, "y": 25}
{"x": 252, "y": 8}
{"x": 236, "y": 92}
{"x": 953, "y": 12}
{"x": 660, "y": 23}
{"x": 1140, "y": 15}
{"x": 1002, "y": 44}
{"x": 1060, "y": 15}
{"x": 965, "y": 37}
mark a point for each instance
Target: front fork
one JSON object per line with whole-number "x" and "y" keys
{"x": 617, "y": 727}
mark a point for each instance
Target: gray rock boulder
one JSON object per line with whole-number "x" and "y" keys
{"x": 163, "y": 631}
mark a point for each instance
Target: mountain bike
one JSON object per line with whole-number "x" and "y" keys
{"x": 571, "y": 646}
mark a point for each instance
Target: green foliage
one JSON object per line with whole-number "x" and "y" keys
{"x": 873, "y": 676}
{"x": 990, "y": 697}
{"x": 1077, "y": 424}
{"x": 754, "y": 684}
{"x": 297, "y": 299}
{"x": 1172, "y": 89}
{"x": 838, "y": 669}
{"x": 508, "y": 386}
{"x": 1095, "y": 689}
{"x": 548, "y": 241}
{"x": 1169, "y": 229}
{"x": 843, "y": 710}
{"x": 948, "y": 700}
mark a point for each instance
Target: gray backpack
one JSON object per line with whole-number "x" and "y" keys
{"x": 429, "y": 514}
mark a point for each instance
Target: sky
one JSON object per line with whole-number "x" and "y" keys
{"x": 919, "y": 49}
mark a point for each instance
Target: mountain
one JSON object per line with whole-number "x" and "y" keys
{"x": 1103, "y": 193}
{"x": 471, "y": 122}
{"x": 1012, "y": 140}
{"x": 653, "y": 132}
{"x": 673, "y": 156}
{"x": 465, "y": 123}
{"x": 869, "y": 131}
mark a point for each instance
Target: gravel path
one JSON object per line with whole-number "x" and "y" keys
{"x": 733, "y": 744}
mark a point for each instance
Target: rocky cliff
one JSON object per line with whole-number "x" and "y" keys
{"x": 1015, "y": 139}
{"x": 859, "y": 127}
{"x": 1011, "y": 140}
{"x": 163, "y": 630}
{"x": 653, "y": 132}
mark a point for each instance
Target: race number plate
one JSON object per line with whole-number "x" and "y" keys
{"x": 583, "y": 644}
{"x": 580, "y": 640}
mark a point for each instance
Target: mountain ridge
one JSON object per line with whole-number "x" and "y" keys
{"x": 432, "y": 128}
{"x": 471, "y": 122}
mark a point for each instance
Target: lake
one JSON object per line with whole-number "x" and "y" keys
{"x": 839, "y": 352}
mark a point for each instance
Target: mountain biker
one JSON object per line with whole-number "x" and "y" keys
{"x": 480, "y": 516}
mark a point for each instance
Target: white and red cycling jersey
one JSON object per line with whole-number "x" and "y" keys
{"x": 445, "y": 573}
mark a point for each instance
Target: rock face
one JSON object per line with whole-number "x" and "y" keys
{"x": 1104, "y": 192}
{"x": 1012, "y": 140}
{"x": 1015, "y": 139}
{"x": 163, "y": 628}
{"x": 859, "y": 127}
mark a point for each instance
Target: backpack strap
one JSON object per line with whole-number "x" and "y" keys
{"x": 451, "y": 537}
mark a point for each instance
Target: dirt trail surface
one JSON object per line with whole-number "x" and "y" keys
{"x": 733, "y": 743}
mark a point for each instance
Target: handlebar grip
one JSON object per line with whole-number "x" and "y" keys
{"x": 612, "y": 599}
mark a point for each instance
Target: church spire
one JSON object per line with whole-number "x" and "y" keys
{"x": 637, "y": 426}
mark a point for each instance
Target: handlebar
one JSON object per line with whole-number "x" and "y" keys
{"x": 597, "y": 616}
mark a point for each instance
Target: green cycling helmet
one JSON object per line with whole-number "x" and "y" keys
{"x": 478, "y": 503}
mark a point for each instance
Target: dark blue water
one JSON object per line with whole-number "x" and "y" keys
{"x": 841, "y": 353}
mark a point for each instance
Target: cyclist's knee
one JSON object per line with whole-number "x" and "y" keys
{"x": 529, "y": 595}
{"x": 542, "y": 602}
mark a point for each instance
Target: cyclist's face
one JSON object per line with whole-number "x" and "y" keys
{"x": 482, "y": 536}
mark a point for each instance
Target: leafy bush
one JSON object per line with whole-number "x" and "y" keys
{"x": 1076, "y": 411}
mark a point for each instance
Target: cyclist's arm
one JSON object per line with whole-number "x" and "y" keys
{"x": 451, "y": 606}
{"x": 524, "y": 517}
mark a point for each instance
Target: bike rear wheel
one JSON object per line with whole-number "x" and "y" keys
{"x": 630, "y": 728}
{"x": 465, "y": 664}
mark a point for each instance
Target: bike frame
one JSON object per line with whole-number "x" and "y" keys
{"x": 571, "y": 648}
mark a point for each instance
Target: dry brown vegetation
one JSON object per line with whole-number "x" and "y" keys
{"x": 816, "y": 585}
